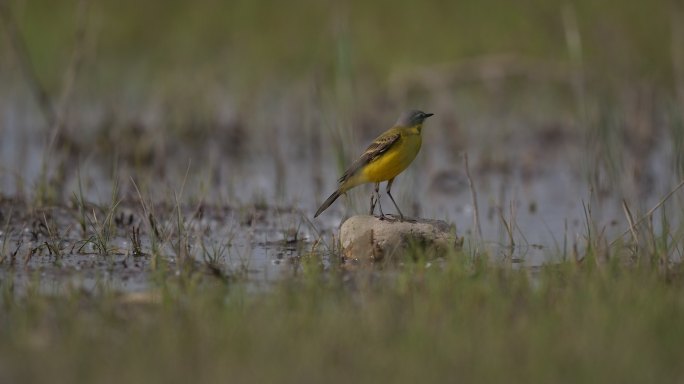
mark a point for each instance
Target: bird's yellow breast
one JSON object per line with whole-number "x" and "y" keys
{"x": 391, "y": 163}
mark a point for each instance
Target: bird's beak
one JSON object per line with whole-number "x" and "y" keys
{"x": 428, "y": 115}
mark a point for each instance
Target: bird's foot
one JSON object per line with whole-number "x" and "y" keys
{"x": 392, "y": 218}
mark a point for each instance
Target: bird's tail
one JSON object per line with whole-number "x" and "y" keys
{"x": 328, "y": 202}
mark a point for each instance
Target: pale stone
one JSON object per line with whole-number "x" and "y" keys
{"x": 368, "y": 238}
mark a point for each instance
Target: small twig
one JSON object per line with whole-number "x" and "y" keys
{"x": 586, "y": 217}
{"x": 650, "y": 211}
{"x": 319, "y": 236}
{"x": 509, "y": 229}
{"x": 135, "y": 242}
{"x": 630, "y": 221}
{"x": 514, "y": 222}
{"x": 6, "y": 235}
{"x": 473, "y": 194}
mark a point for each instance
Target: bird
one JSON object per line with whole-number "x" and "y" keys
{"x": 384, "y": 159}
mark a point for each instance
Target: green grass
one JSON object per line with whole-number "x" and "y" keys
{"x": 466, "y": 322}
{"x": 268, "y": 40}
{"x": 329, "y": 67}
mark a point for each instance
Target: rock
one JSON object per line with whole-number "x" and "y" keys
{"x": 368, "y": 238}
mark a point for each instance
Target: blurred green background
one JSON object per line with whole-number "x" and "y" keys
{"x": 256, "y": 41}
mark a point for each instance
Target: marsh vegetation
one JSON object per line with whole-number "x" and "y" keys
{"x": 160, "y": 165}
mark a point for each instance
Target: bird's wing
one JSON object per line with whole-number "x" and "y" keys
{"x": 379, "y": 146}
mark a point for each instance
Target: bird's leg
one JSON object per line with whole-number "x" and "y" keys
{"x": 372, "y": 203}
{"x": 377, "y": 200}
{"x": 389, "y": 193}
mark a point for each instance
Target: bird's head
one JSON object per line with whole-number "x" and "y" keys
{"x": 412, "y": 118}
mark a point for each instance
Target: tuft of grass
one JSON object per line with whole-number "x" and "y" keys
{"x": 54, "y": 243}
{"x": 466, "y": 318}
{"x": 101, "y": 230}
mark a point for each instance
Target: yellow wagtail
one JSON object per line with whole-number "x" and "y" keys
{"x": 383, "y": 160}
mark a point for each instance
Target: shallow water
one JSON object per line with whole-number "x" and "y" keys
{"x": 257, "y": 202}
